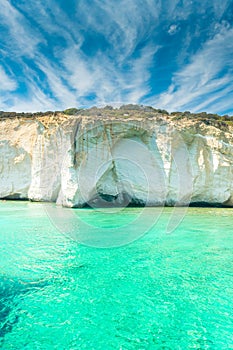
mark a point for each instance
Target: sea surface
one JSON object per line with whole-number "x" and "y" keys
{"x": 158, "y": 290}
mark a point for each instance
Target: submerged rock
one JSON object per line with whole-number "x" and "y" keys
{"x": 10, "y": 289}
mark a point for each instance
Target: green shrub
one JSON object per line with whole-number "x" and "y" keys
{"x": 71, "y": 111}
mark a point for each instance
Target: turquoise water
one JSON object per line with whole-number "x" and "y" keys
{"x": 162, "y": 291}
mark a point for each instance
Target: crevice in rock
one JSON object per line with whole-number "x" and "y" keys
{"x": 74, "y": 143}
{"x": 122, "y": 199}
{"x": 15, "y": 196}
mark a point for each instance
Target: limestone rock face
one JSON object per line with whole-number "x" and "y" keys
{"x": 99, "y": 161}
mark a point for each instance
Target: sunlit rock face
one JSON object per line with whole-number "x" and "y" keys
{"x": 115, "y": 161}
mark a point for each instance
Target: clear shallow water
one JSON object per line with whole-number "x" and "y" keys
{"x": 160, "y": 292}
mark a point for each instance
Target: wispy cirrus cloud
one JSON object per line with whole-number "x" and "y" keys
{"x": 58, "y": 55}
{"x": 206, "y": 82}
{"x": 18, "y": 32}
{"x": 72, "y": 75}
{"x": 101, "y": 76}
{"x": 6, "y": 83}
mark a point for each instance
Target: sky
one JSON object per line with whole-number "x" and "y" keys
{"x": 169, "y": 54}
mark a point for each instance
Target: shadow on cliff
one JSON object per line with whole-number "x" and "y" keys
{"x": 209, "y": 205}
{"x": 122, "y": 199}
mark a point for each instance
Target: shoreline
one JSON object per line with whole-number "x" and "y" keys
{"x": 191, "y": 205}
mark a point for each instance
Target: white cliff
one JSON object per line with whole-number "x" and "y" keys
{"x": 115, "y": 160}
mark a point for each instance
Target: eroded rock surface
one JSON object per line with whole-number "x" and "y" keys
{"x": 140, "y": 160}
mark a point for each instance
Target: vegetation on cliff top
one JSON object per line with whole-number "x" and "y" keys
{"x": 130, "y": 110}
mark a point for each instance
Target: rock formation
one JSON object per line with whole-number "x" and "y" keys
{"x": 117, "y": 158}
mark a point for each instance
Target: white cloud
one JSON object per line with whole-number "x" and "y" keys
{"x": 6, "y": 82}
{"x": 66, "y": 76}
{"x": 106, "y": 78}
{"x": 70, "y": 74}
{"x": 204, "y": 80}
{"x": 22, "y": 40}
{"x": 173, "y": 29}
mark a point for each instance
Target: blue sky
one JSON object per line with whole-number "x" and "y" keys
{"x": 176, "y": 55}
